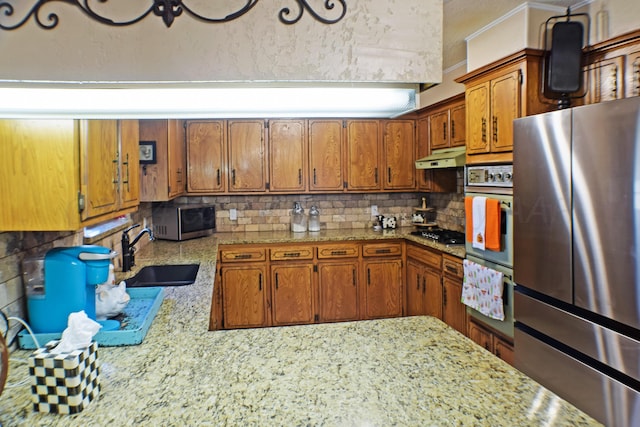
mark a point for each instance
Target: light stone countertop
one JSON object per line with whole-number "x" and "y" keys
{"x": 406, "y": 371}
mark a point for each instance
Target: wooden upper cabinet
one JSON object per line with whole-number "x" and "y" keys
{"x": 287, "y": 156}
{"x": 439, "y": 129}
{"x": 206, "y": 156}
{"x": 505, "y": 108}
{"x": 398, "y": 154}
{"x": 99, "y": 166}
{"x": 165, "y": 179}
{"x": 633, "y": 74}
{"x": 605, "y": 81}
{"x": 477, "y": 98}
{"x": 458, "y": 125}
{"x": 325, "y": 155}
{"x": 362, "y": 155}
{"x": 447, "y": 124}
{"x": 247, "y": 156}
{"x": 129, "y": 135}
{"x": 423, "y": 176}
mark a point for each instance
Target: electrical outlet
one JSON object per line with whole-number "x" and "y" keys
{"x": 374, "y": 210}
{"x": 233, "y": 214}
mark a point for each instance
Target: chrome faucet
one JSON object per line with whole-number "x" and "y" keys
{"x": 128, "y": 249}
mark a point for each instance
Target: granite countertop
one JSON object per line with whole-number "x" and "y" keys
{"x": 404, "y": 371}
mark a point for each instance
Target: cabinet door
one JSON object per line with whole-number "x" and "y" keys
{"x": 338, "y": 289}
{"x": 454, "y": 312}
{"x": 292, "y": 287}
{"x": 287, "y": 163}
{"x": 457, "y": 126}
{"x": 416, "y": 288}
{"x": 439, "y": 129}
{"x": 633, "y": 74}
{"x": 129, "y": 163}
{"x": 325, "y": 155}
{"x": 477, "y": 113}
{"x": 383, "y": 295}
{"x": 481, "y": 336}
{"x": 247, "y": 150}
{"x": 432, "y": 283}
{"x": 363, "y": 155}
{"x": 99, "y": 166}
{"x": 177, "y": 178}
{"x": 244, "y": 296}
{"x": 505, "y": 108}
{"x": 206, "y": 154}
{"x": 504, "y": 350}
{"x": 605, "y": 82}
{"x": 398, "y": 158}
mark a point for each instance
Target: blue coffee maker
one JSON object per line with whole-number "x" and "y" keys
{"x": 70, "y": 278}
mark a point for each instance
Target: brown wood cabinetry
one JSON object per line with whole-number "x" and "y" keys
{"x": 206, "y": 156}
{"x": 447, "y": 124}
{"x": 166, "y": 179}
{"x": 247, "y": 156}
{"x": 605, "y": 81}
{"x": 398, "y": 139}
{"x": 287, "y": 156}
{"x": 363, "y": 155}
{"x": 292, "y": 293}
{"x": 382, "y": 273}
{"x": 325, "y": 155}
{"x": 81, "y": 176}
{"x": 454, "y": 312}
{"x": 632, "y": 74}
{"x": 338, "y": 281}
{"x": 424, "y": 282}
{"x": 491, "y": 341}
{"x": 497, "y": 94}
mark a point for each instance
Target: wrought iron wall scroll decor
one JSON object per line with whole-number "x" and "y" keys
{"x": 168, "y": 10}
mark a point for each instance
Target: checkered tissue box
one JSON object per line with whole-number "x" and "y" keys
{"x": 64, "y": 383}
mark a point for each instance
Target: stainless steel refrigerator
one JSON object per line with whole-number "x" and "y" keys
{"x": 577, "y": 256}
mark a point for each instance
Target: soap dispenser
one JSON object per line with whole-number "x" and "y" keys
{"x": 298, "y": 220}
{"x": 314, "y": 219}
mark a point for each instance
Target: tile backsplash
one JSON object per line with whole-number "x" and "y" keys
{"x": 254, "y": 213}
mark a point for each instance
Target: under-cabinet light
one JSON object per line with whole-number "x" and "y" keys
{"x": 238, "y": 102}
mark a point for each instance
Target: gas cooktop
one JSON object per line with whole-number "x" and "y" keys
{"x": 439, "y": 235}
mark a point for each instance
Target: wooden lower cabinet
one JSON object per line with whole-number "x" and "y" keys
{"x": 491, "y": 341}
{"x": 244, "y": 296}
{"x": 292, "y": 294}
{"x": 338, "y": 291}
{"x": 383, "y": 290}
{"x": 454, "y": 312}
{"x": 424, "y": 290}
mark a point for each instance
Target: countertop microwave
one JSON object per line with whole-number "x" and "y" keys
{"x": 183, "y": 221}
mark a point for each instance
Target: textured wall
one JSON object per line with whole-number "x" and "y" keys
{"x": 393, "y": 41}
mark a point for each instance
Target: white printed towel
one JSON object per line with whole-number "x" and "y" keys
{"x": 479, "y": 212}
{"x": 482, "y": 289}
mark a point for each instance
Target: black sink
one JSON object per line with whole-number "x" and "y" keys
{"x": 164, "y": 275}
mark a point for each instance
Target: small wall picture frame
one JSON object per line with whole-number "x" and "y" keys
{"x": 148, "y": 153}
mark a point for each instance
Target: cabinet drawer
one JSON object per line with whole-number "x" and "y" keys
{"x": 452, "y": 266}
{"x": 427, "y": 256}
{"x": 338, "y": 250}
{"x": 381, "y": 249}
{"x": 291, "y": 253}
{"x": 243, "y": 254}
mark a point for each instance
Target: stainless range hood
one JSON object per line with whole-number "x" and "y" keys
{"x": 444, "y": 158}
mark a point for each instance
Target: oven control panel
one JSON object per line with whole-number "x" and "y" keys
{"x": 490, "y": 175}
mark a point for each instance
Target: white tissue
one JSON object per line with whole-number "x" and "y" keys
{"x": 79, "y": 333}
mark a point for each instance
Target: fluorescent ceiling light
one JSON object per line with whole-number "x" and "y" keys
{"x": 163, "y": 102}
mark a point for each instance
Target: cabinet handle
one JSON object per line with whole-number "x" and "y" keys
{"x": 368, "y": 276}
{"x": 453, "y": 129}
{"x": 614, "y": 83}
{"x": 242, "y": 256}
{"x": 424, "y": 285}
{"x": 353, "y": 276}
{"x": 233, "y": 176}
{"x": 452, "y": 269}
{"x": 376, "y": 175}
{"x": 291, "y": 254}
{"x": 115, "y": 169}
{"x": 444, "y": 131}
{"x": 260, "y": 282}
{"x": 338, "y": 252}
{"x": 299, "y": 176}
{"x": 418, "y": 281}
{"x": 484, "y": 130}
{"x": 218, "y": 176}
{"x": 444, "y": 296}
{"x": 389, "y": 175}
{"x": 636, "y": 72}
{"x": 498, "y": 353}
{"x": 315, "y": 181}
{"x": 276, "y": 281}
{"x": 486, "y": 345}
{"x": 383, "y": 251}
{"x": 495, "y": 128}
{"x": 126, "y": 163}
{"x": 179, "y": 173}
